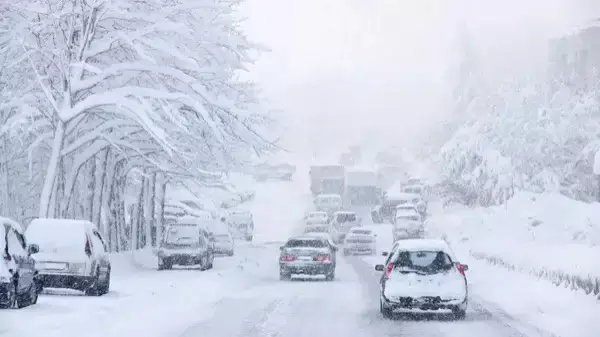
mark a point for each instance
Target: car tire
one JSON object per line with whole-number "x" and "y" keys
{"x": 93, "y": 289}
{"x": 385, "y": 312}
{"x": 459, "y": 314}
{"x": 284, "y": 275}
{"x": 104, "y": 288}
{"x": 330, "y": 275}
{"x": 249, "y": 238}
{"x": 12, "y": 300}
{"x": 33, "y": 293}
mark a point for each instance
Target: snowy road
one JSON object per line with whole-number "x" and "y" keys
{"x": 243, "y": 296}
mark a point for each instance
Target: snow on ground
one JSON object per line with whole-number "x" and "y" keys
{"x": 531, "y": 232}
{"x": 243, "y": 296}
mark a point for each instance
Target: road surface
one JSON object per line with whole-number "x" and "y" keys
{"x": 243, "y": 296}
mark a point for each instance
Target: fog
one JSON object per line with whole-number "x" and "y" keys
{"x": 381, "y": 72}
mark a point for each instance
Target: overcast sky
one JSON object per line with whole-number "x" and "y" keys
{"x": 349, "y": 70}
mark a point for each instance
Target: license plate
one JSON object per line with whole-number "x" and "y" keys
{"x": 304, "y": 258}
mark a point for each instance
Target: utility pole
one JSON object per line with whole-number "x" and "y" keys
{"x": 597, "y": 172}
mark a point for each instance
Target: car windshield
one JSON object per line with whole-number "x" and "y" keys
{"x": 302, "y": 243}
{"x": 361, "y": 232}
{"x": 429, "y": 262}
{"x": 183, "y": 235}
{"x": 345, "y": 217}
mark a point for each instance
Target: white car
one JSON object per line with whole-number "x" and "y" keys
{"x": 185, "y": 244}
{"x": 360, "y": 240}
{"x": 241, "y": 224}
{"x": 316, "y": 218}
{"x": 341, "y": 224}
{"x": 224, "y": 244}
{"x": 407, "y": 225}
{"x": 72, "y": 254}
{"x": 423, "y": 275}
{"x": 317, "y": 228}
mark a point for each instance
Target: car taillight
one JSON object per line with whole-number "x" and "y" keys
{"x": 460, "y": 269}
{"x": 88, "y": 248}
{"x": 389, "y": 269}
{"x": 321, "y": 258}
{"x": 287, "y": 258}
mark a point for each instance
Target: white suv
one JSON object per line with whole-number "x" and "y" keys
{"x": 423, "y": 274}
{"x": 72, "y": 254}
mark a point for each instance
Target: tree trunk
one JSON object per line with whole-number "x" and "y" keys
{"x": 149, "y": 189}
{"x": 139, "y": 216}
{"x": 91, "y": 190}
{"x": 50, "y": 178}
{"x": 159, "y": 207}
{"x": 101, "y": 185}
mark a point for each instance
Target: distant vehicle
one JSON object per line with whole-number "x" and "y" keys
{"x": 18, "y": 277}
{"x": 341, "y": 223}
{"x": 327, "y": 179}
{"x": 316, "y": 218}
{"x": 362, "y": 187}
{"x": 387, "y": 209}
{"x": 406, "y": 209}
{"x": 423, "y": 275}
{"x": 407, "y": 225}
{"x": 322, "y": 235}
{"x": 241, "y": 224}
{"x": 307, "y": 255}
{"x": 263, "y": 172}
{"x": 185, "y": 244}
{"x": 360, "y": 240}
{"x": 328, "y": 203}
{"x": 72, "y": 254}
{"x": 317, "y": 228}
{"x": 224, "y": 244}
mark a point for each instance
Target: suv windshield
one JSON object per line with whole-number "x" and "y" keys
{"x": 183, "y": 235}
{"x": 428, "y": 262}
{"x": 315, "y": 243}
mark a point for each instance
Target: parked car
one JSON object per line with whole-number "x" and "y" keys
{"x": 72, "y": 254}
{"x": 307, "y": 255}
{"x": 224, "y": 244}
{"x": 425, "y": 275}
{"x": 185, "y": 244}
{"x": 360, "y": 240}
{"x": 18, "y": 277}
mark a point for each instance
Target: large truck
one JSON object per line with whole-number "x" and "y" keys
{"x": 327, "y": 179}
{"x": 362, "y": 187}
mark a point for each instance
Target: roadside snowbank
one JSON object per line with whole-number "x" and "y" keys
{"x": 548, "y": 236}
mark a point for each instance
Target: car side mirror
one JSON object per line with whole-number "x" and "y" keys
{"x": 334, "y": 248}
{"x": 465, "y": 267}
{"x": 384, "y": 254}
{"x": 33, "y": 249}
{"x": 281, "y": 248}
{"x": 379, "y": 267}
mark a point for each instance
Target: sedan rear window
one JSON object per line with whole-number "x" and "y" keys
{"x": 346, "y": 217}
{"x": 306, "y": 243}
{"x": 431, "y": 262}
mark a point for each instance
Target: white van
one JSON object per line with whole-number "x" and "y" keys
{"x": 72, "y": 254}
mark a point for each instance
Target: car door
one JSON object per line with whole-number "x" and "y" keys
{"x": 100, "y": 251}
{"x": 17, "y": 248}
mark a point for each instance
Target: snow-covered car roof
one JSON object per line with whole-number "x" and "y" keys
{"x": 414, "y": 245}
{"x": 360, "y": 231}
{"x": 406, "y": 206}
{"x": 317, "y": 213}
{"x": 329, "y": 196}
{"x": 401, "y": 196}
{"x": 320, "y": 235}
{"x": 406, "y": 213}
{"x": 344, "y": 212}
{"x": 11, "y": 224}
